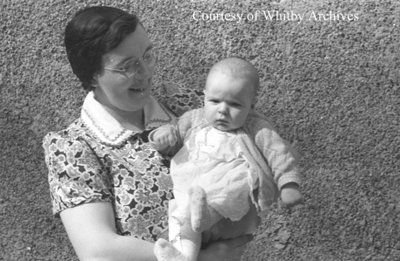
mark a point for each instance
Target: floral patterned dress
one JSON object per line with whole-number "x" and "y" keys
{"x": 96, "y": 160}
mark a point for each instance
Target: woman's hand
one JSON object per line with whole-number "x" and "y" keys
{"x": 225, "y": 250}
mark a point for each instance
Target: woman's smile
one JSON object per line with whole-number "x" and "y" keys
{"x": 137, "y": 90}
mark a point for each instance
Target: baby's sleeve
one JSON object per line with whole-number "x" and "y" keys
{"x": 280, "y": 155}
{"x": 76, "y": 175}
{"x": 184, "y": 123}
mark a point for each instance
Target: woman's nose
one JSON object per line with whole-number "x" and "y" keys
{"x": 145, "y": 72}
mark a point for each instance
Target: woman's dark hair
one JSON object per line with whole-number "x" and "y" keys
{"x": 93, "y": 32}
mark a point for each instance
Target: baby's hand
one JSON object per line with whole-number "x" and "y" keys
{"x": 291, "y": 195}
{"x": 163, "y": 137}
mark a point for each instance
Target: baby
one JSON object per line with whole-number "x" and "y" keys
{"x": 231, "y": 164}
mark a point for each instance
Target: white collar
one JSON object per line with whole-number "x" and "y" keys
{"x": 106, "y": 128}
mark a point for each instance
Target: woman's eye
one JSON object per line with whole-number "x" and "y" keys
{"x": 124, "y": 67}
{"x": 147, "y": 56}
{"x": 130, "y": 66}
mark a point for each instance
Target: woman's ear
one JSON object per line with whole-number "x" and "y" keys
{"x": 95, "y": 80}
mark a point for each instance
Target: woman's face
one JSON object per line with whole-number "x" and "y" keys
{"x": 123, "y": 91}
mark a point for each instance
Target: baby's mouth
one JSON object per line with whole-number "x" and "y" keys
{"x": 223, "y": 123}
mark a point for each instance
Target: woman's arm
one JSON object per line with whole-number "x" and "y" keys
{"x": 91, "y": 230}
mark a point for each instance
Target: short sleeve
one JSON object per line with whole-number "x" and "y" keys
{"x": 76, "y": 175}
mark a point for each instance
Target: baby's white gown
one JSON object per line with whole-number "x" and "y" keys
{"x": 212, "y": 159}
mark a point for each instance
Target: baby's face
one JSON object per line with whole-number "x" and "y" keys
{"x": 227, "y": 101}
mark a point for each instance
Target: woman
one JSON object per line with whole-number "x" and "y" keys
{"x": 108, "y": 185}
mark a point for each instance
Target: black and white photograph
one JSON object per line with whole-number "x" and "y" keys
{"x": 200, "y": 130}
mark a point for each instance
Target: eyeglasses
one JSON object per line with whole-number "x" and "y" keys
{"x": 133, "y": 69}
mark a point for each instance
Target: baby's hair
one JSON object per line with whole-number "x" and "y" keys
{"x": 237, "y": 67}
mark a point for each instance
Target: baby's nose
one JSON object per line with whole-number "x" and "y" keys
{"x": 223, "y": 109}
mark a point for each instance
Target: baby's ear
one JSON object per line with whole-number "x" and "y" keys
{"x": 255, "y": 97}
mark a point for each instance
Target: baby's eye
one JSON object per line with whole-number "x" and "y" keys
{"x": 235, "y": 104}
{"x": 213, "y": 101}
